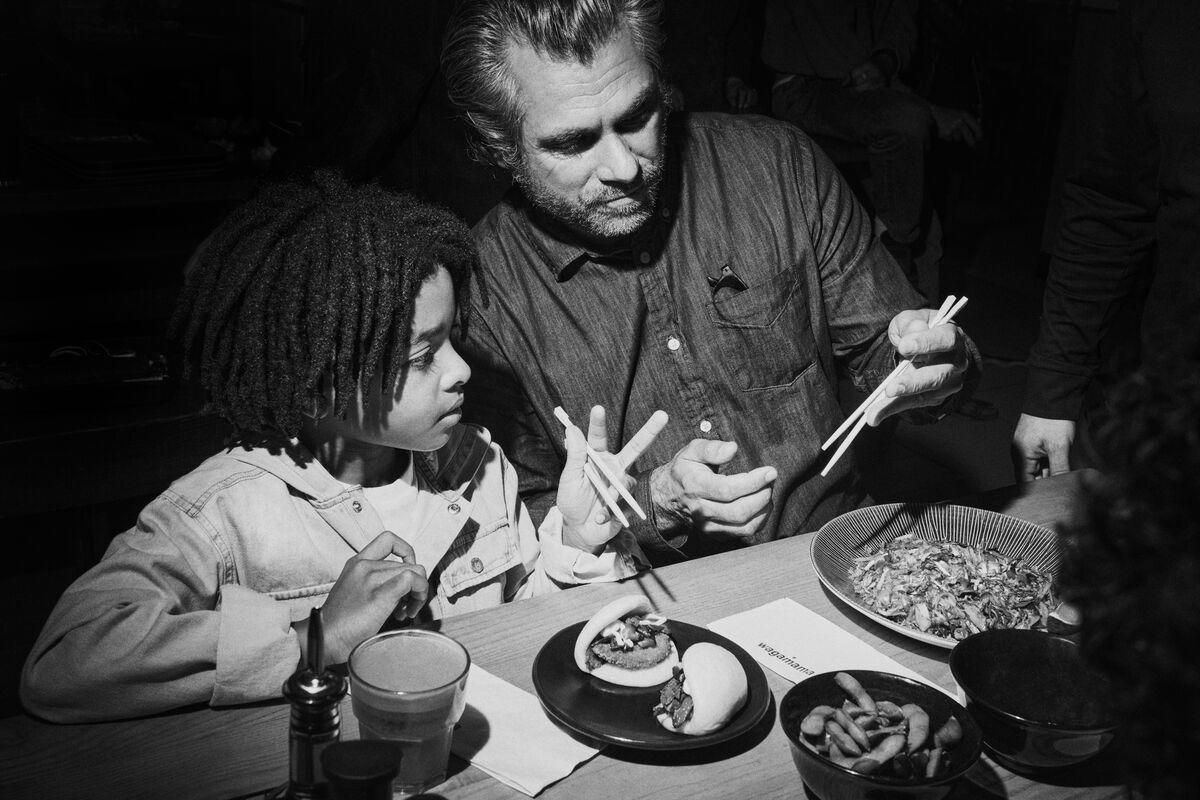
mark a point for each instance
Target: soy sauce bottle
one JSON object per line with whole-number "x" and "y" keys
{"x": 314, "y": 693}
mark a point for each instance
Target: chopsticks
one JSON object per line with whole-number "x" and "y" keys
{"x": 613, "y": 479}
{"x": 950, "y": 306}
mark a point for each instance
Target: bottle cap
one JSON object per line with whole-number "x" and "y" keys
{"x": 361, "y": 769}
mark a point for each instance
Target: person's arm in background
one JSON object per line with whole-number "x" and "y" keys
{"x": 741, "y": 53}
{"x": 894, "y": 26}
{"x": 1105, "y": 240}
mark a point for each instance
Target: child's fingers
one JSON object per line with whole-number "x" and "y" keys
{"x": 597, "y": 436}
{"x": 645, "y": 437}
{"x": 386, "y": 544}
{"x": 576, "y": 450}
{"x": 411, "y": 589}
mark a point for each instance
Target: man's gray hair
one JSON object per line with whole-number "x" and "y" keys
{"x": 481, "y": 31}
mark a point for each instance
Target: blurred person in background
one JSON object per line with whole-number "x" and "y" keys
{"x": 1130, "y": 216}
{"x": 1131, "y": 567}
{"x": 710, "y": 54}
{"x": 837, "y": 67}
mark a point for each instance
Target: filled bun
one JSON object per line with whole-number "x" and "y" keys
{"x": 633, "y": 674}
{"x": 715, "y": 683}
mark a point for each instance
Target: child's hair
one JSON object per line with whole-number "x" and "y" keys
{"x": 310, "y": 282}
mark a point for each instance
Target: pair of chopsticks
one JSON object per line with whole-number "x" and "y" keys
{"x": 950, "y": 307}
{"x": 589, "y": 469}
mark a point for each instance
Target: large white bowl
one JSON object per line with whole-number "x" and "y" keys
{"x": 866, "y": 530}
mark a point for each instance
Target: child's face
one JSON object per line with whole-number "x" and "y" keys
{"x": 421, "y": 416}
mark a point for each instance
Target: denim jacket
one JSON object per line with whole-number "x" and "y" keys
{"x": 196, "y": 602}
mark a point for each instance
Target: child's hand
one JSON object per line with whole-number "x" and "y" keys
{"x": 368, "y": 591}
{"x": 587, "y": 524}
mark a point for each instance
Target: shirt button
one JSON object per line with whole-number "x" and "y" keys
{"x": 357, "y": 506}
{"x": 644, "y": 257}
{"x": 476, "y": 565}
{"x": 674, "y": 344}
{"x": 454, "y": 508}
{"x": 705, "y": 426}
{"x": 666, "y": 212}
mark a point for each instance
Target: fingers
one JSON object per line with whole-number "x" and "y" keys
{"x": 912, "y": 337}
{"x": 714, "y": 487}
{"x": 597, "y": 436}
{"x": 412, "y": 587}
{"x": 576, "y": 450}
{"x": 645, "y": 437}
{"x": 1058, "y": 456}
{"x": 386, "y": 544}
{"x": 708, "y": 451}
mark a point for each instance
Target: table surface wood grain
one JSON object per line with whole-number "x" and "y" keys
{"x": 242, "y": 752}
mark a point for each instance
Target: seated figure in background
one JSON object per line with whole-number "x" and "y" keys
{"x": 836, "y": 66}
{"x": 1131, "y": 566}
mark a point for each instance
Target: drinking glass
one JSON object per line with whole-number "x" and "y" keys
{"x": 407, "y": 686}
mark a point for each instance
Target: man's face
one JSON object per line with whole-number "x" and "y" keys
{"x": 592, "y": 138}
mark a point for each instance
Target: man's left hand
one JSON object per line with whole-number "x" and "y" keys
{"x": 939, "y": 357}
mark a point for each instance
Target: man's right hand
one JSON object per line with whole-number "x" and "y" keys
{"x": 369, "y": 590}
{"x": 1040, "y": 443}
{"x": 730, "y": 507}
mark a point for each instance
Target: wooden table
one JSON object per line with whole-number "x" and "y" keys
{"x": 240, "y": 752}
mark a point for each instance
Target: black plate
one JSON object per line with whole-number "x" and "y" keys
{"x": 623, "y": 715}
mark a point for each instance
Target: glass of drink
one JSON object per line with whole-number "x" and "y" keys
{"x": 408, "y": 686}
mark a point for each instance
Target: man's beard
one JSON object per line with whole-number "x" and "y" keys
{"x": 591, "y": 217}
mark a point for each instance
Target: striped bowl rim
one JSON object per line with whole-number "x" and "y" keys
{"x": 866, "y": 530}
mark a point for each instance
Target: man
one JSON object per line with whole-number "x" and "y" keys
{"x": 716, "y": 267}
{"x": 1131, "y": 208}
{"x": 836, "y": 64}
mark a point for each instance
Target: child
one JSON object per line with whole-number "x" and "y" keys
{"x": 320, "y": 316}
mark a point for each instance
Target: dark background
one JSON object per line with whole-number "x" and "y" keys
{"x": 129, "y": 127}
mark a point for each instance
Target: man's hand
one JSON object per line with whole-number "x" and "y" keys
{"x": 956, "y": 125}
{"x": 738, "y": 94}
{"x": 730, "y": 507}
{"x": 586, "y": 521}
{"x": 1040, "y": 443}
{"x": 939, "y": 358}
{"x": 868, "y": 75}
{"x": 369, "y": 590}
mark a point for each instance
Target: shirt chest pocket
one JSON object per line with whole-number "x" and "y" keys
{"x": 764, "y": 332}
{"x": 479, "y": 554}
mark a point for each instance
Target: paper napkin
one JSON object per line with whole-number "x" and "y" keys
{"x": 792, "y": 641}
{"x": 505, "y": 733}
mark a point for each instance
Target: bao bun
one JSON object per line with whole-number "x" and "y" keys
{"x": 717, "y": 684}
{"x": 618, "y": 609}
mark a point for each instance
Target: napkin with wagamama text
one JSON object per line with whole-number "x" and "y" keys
{"x": 796, "y": 642}
{"x": 505, "y": 733}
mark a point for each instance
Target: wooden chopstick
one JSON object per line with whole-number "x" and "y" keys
{"x": 612, "y": 477}
{"x": 950, "y": 307}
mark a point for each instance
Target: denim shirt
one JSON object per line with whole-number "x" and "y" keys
{"x": 758, "y": 281}
{"x": 196, "y": 603}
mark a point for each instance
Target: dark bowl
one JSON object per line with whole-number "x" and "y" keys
{"x": 1039, "y": 705}
{"x": 830, "y": 781}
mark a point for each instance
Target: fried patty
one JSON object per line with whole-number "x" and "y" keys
{"x": 637, "y": 658}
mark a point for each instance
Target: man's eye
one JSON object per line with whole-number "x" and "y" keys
{"x": 637, "y": 122}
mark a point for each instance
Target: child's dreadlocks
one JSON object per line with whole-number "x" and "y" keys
{"x": 312, "y": 282}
